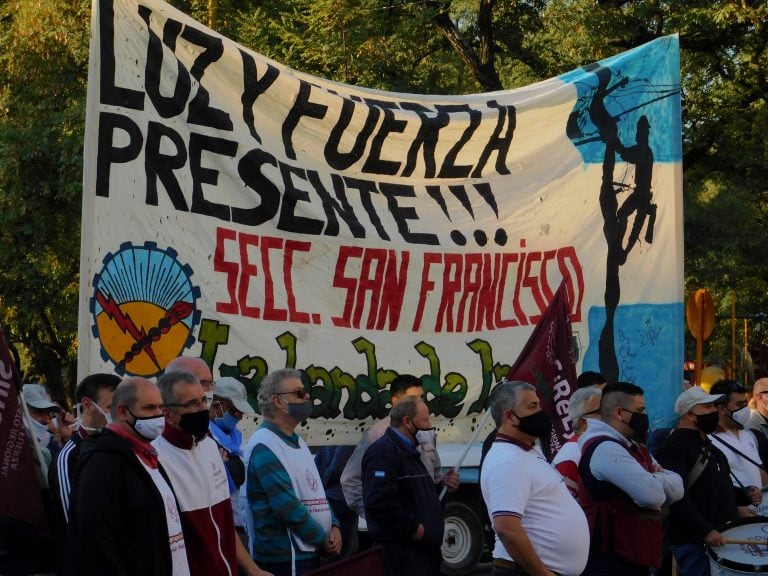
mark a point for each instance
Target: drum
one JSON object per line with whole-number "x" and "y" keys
{"x": 734, "y": 559}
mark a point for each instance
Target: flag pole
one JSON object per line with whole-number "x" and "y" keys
{"x": 472, "y": 440}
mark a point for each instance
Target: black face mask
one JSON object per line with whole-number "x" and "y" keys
{"x": 639, "y": 424}
{"x": 195, "y": 423}
{"x": 537, "y": 424}
{"x": 707, "y": 423}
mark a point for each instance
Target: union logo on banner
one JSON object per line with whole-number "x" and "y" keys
{"x": 144, "y": 308}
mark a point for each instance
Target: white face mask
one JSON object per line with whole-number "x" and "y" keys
{"x": 43, "y": 434}
{"x": 209, "y": 395}
{"x": 107, "y": 417}
{"x": 741, "y": 415}
{"x": 425, "y": 436}
{"x": 149, "y": 428}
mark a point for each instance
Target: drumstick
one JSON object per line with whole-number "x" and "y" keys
{"x": 753, "y": 542}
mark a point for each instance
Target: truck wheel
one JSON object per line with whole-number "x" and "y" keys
{"x": 462, "y": 539}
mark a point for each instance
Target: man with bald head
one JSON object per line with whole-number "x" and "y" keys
{"x": 124, "y": 514}
{"x": 198, "y": 368}
{"x": 758, "y": 420}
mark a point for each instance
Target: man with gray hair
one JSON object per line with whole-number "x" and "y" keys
{"x": 402, "y": 507}
{"x": 197, "y": 474}
{"x": 199, "y": 368}
{"x": 290, "y": 521}
{"x": 540, "y": 529}
{"x": 584, "y": 405}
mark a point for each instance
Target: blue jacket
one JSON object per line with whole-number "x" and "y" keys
{"x": 399, "y": 493}
{"x": 231, "y": 442}
{"x": 330, "y": 462}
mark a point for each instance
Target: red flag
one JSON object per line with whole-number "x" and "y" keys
{"x": 19, "y": 487}
{"x": 548, "y": 361}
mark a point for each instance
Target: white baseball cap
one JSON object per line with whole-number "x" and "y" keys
{"x": 37, "y": 396}
{"x": 694, "y": 396}
{"x": 234, "y": 391}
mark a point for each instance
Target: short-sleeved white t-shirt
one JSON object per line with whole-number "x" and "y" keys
{"x": 519, "y": 482}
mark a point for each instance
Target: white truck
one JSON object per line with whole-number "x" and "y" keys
{"x": 468, "y": 534}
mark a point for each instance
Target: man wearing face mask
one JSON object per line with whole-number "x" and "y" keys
{"x": 403, "y": 386}
{"x": 230, "y": 404}
{"x": 50, "y": 424}
{"x": 738, "y": 445}
{"x": 93, "y": 397}
{"x": 710, "y": 499}
{"x": 584, "y": 405}
{"x": 540, "y": 529}
{"x": 402, "y": 506}
{"x": 124, "y": 518}
{"x": 290, "y": 522}
{"x": 199, "y": 479}
{"x": 622, "y": 488}
{"x": 758, "y": 420}
{"x": 198, "y": 368}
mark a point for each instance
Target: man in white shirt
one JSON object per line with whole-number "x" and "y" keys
{"x": 738, "y": 445}
{"x": 540, "y": 529}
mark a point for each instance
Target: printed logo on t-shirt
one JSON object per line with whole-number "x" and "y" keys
{"x": 171, "y": 512}
{"x": 311, "y": 480}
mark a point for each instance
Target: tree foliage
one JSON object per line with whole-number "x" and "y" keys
{"x": 43, "y": 66}
{"x": 422, "y": 46}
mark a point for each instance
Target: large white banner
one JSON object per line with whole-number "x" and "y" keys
{"x": 241, "y": 211}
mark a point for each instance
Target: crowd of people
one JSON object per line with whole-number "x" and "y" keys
{"x": 154, "y": 478}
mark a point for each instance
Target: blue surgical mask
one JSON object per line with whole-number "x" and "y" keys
{"x": 227, "y": 423}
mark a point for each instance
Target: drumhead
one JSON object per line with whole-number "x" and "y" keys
{"x": 744, "y": 557}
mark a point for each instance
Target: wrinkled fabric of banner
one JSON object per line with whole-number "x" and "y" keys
{"x": 241, "y": 211}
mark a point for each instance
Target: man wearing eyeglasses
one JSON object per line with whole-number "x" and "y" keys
{"x": 199, "y": 368}
{"x": 758, "y": 420}
{"x": 197, "y": 474}
{"x": 290, "y": 522}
